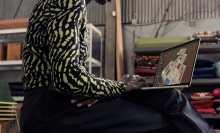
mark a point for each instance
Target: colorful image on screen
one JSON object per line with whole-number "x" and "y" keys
{"x": 176, "y": 65}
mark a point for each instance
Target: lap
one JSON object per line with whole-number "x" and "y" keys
{"x": 54, "y": 113}
{"x": 161, "y": 100}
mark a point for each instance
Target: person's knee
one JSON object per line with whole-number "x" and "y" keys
{"x": 175, "y": 102}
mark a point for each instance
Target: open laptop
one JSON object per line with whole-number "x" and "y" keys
{"x": 176, "y": 65}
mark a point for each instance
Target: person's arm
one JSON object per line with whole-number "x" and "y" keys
{"x": 67, "y": 74}
{"x": 133, "y": 82}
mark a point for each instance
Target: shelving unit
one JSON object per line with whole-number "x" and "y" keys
{"x": 197, "y": 84}
{"x": 94, "y": 33}
{"x": 11, "y": 65}
{"x": 204, "y": 49}
{"x": 13, "y": 68}
{"x": 205, "y": 81}
{"x": 198, "y": 81}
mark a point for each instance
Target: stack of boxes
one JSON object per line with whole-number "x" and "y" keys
{"x": 10, "y": 51}
{"x": 11, "y": 48}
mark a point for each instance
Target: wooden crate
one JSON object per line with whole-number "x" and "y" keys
{"x": 14, "y": 51}
{"x": 1, "y": 51}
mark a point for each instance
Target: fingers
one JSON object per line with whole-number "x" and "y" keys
{"x": 92, "y": 103}
{"x": 143, "y": 84}
{"x": 123, "y": 79}
{"x": 135, "y": 85}
{"x": 82, "y": 102}
{"x": 88, "y": 102}
{"x": 129, "y": 79}
{"x": 76, "y": 100}
{"x": 138, "y": 78}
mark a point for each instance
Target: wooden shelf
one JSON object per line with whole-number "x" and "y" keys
{"x": 11, "y": 65}
{"x": 206, "y": 81}
{"x": 197, "y": 81}
{"x": 151, "y": 50}
{"x": 213, "y": 120}
{"x": 204, "y": 49}
{"x": 17, "y": 64}
{"x": 210, "y": 116}
{"x": 209, "y": 49}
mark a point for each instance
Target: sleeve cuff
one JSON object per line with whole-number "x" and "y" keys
{"x": 122, "y": 86}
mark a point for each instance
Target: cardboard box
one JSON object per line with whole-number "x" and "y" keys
{"x": 14, "y": 51}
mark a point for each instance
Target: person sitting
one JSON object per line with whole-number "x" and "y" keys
{"x": 61, "y": 96}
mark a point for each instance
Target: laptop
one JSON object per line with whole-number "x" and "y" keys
{"x": 175, "y": 66}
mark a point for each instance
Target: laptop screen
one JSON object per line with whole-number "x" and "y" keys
{"x": 176, "y": 64}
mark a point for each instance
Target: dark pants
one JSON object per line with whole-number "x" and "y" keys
{"x": 156, "y": 111}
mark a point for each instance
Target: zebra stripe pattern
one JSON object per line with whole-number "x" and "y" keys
{"x": 54, "y": 51}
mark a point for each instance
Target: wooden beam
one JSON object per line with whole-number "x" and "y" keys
{"x": 14, "y": 23}
{"x": 109, "y": 72}
{"x": 119, "y": 42}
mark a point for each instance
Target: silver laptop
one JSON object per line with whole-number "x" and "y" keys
{"x": 176, "y": 65}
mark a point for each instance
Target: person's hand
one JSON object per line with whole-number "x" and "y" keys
{"x": 126, "y": 77}
{"x": 84, "y": 101}
{"x": 134, "y": 82}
